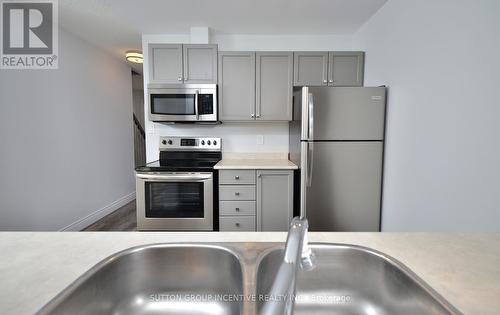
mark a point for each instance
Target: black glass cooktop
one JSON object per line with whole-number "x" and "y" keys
{"x": 182, "y": 161}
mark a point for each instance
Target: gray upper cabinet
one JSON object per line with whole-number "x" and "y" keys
{"x": 310, "y": 68}
{"x": 346, "y": 68}
{"x": 236, "y": 86}
{"x": 274, "y": 85}
{"x": 165, "y": 63}
{"x": 274, "y": 200}
{"x": 200, "y": 63}
{"x": 177, "y": 63}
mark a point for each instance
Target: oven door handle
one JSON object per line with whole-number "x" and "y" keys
{"x": 175, "y": 177}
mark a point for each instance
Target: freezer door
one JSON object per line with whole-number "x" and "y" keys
{"x": 349, "y": 113}
{"x": 345, "y": 190}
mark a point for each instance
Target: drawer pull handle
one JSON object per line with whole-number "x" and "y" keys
{"x": 237, "y": 193}
{"x": 236, "y": 177}
{"x": 237, "y": 209}
{"x": 237, "y": 224}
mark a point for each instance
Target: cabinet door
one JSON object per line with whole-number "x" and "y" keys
{"x": 310, "y": 68}
{"x": 274, "y": 200}
{"x": 236, "y": 86}
{"x": 200, "y": 63}
{"x": 165, "y": 63}
{"x": 346, "y": 68}
{"x": 274, "y": 75}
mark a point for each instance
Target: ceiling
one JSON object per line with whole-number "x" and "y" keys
{"x": 117, "y": 25}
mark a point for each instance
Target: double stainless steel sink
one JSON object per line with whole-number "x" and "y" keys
{"x": 235, "y": 278}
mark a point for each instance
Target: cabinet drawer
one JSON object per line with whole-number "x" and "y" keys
{"x": 237, "y": 177}
{"x": 239, "y": 223}
{"x": 237, "y": 208}
{"x": 237, "y": 192}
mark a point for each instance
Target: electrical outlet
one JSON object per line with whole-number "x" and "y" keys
{"x": 260, "y": 139}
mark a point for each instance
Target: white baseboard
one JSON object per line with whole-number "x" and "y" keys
{"x": 99, "y": 214}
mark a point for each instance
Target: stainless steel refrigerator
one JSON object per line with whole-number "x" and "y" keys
{"x": 337, "y": 139}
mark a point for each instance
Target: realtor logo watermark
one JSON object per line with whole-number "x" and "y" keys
{"x": 29, "y": 34}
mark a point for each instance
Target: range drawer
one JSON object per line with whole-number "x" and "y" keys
{"x": 238, "y": 223}
{"x": 237, "y": 177}
{"x": 237, "y": 208}
{"x": 236, "y": 192}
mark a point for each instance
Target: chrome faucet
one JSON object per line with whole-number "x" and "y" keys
{"x": 297, "y": 255}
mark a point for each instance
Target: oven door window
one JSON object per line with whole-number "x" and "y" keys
{"x": 173, "y": 104}
{"x": 174, "y": 200}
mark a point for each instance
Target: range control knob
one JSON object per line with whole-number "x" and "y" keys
{"x": 202, "y": 142}
{"x": 164, "y": 142}
{"x": 169, "y": 141}
{"x": 215, "y": 142}
{"x": 208, "y": 142}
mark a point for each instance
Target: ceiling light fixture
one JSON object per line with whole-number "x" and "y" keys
{"x": 134, "y": 56}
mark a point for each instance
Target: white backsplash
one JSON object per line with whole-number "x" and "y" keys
{"x": 240, "y": 138}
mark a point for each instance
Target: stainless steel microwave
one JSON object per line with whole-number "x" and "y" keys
{"x": 182, "y": 102}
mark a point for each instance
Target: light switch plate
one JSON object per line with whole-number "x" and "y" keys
{"x": 260, "y": 139}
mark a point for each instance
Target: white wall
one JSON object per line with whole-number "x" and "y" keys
{"x": 440, "y": 60}
{"x": 238, "y": 137}
{"x": 66, "y": 140}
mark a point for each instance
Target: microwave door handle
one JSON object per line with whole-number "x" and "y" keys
{"x": 196, "y": 105}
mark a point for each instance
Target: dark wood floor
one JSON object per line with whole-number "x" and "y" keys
{"x": 123, "y": 219}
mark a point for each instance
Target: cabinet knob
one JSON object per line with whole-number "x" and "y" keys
{"x": 331, "y": 81}
{"x": 324, "y": 81}
{"x": 236, "y": 193}
{"x": 236, "y": 177}
{"x": 252, "y": 115}
{"x": 237, "y": 224}
{"x": 258, "y": 116}
{"x": 237, "y": 209}
{"x": 186, "y": 78}
{"x": 179, "y": 79}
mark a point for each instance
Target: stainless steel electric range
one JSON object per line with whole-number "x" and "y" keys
{"x": 178, "y": 192}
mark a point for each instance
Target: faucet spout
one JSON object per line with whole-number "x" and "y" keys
{"x": 297, "y": 255}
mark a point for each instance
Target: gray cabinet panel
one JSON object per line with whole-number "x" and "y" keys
{"x": 237, "y": 224}
{"x": 346, "y": 68}
{"x": 200, "y": 63}
{"x": 346, "y": 186}
{"x": 310, "y": 68}
{"x": 237, "y": 177}
{"x": 165, "y": 63}
{"x": 349, "y": 113}
{"x": 236, "y": 86}
{"x": 237, "y": 192}
{"x": 235, "y": 208}
{"x": 274, "y": 200}
{"x": 274, "y": 85}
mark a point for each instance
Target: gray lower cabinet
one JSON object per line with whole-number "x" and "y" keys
{"x": 236, "y": 85}
{"x": 338, "y": 68}
{"x": 274, "y": 86}
{"x": 251, "y": 200}
{"x": 237, "y": 223}
{"x": 346, "y": 68}
{"x": 274, "y": 200}
{"x": 182, "y": 63}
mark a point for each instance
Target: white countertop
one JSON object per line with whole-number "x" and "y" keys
{"x": 35, "y": 266}
{"x": 255, "y": 164}
{"x": 255, "y": 161}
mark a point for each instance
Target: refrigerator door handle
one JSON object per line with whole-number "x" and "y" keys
{"x": 310, "y": 163}
{"x": 311, "y": 116}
